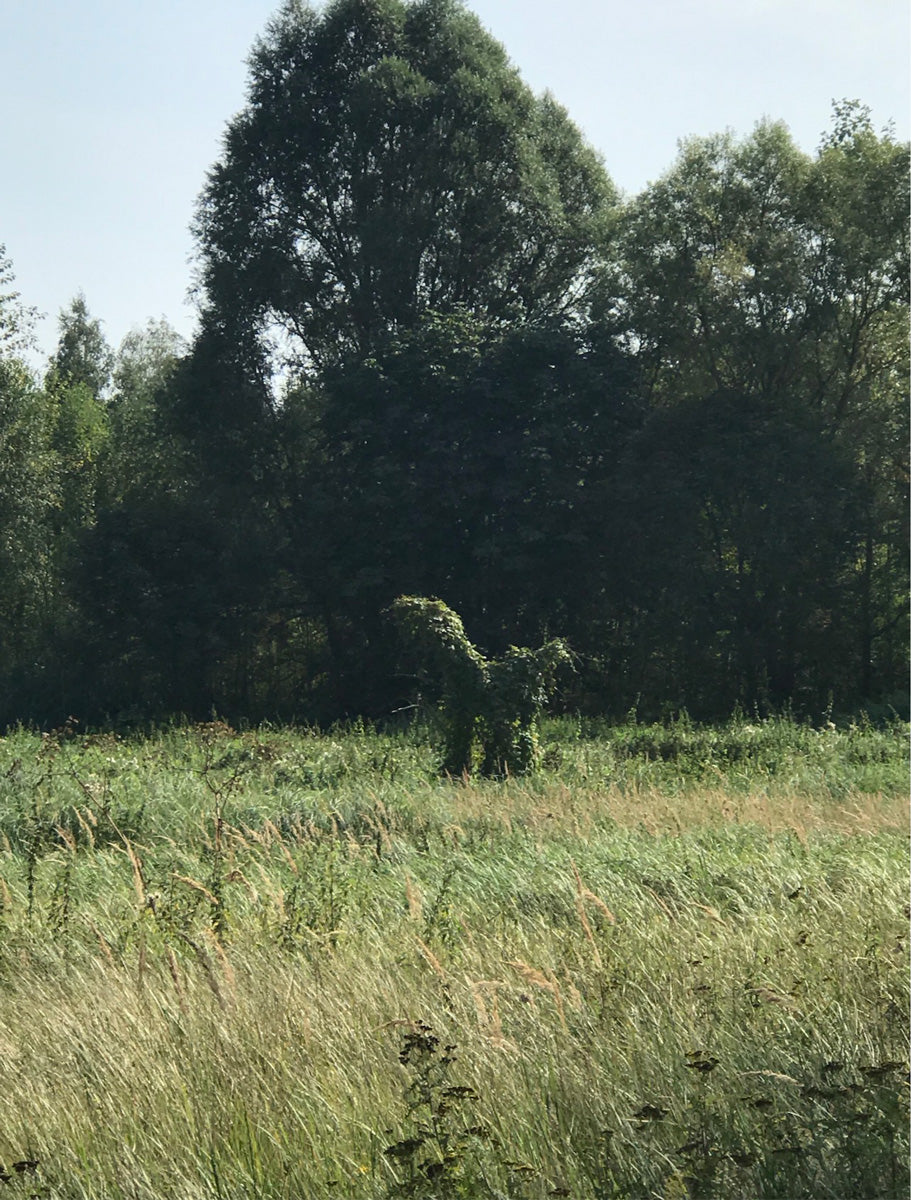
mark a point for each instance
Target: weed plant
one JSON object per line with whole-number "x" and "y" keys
{"x": 670, "y": 964}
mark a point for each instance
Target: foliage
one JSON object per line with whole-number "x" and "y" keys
{"x": 496, "y": 703}
{"x": 141, "y": 457}
{"x": 173, "y": 579}
{"x": 82, "y": 356}
{"x": 30, "y": 485}
{"x": 16, "y": 319}
{"x": 753, "y": 267}
{"x": 748, "y": 523}
{"x": 766, "y": 293}
{"x": 487, "y": 454}
{"x": 438, "y": 358}
{"x": 389, "y": 163}
{"x": 29, "y": 490}
{"x": 439, "y": 1156}
{"x": 408, "y": 232}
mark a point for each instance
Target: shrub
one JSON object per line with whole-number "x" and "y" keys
{"x": 488, "y": 704}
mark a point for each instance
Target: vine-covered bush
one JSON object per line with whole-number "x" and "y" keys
{"x": 489, "y": 707}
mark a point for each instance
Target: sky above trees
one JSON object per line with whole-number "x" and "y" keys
{"x": 115, "y": 112}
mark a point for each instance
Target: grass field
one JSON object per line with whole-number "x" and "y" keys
{"x": 672, "y": 963}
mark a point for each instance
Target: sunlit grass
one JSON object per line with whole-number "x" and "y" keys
{"x": 212, "y": 946}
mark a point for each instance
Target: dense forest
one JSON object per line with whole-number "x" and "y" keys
{"x": 439, "y": 355}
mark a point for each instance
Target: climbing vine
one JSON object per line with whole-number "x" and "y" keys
{"x": 489, "y": 707}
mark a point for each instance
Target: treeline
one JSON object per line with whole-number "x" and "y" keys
{"x": 439, "y": 355}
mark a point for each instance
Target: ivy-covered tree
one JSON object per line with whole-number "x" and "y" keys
{"x": 489, "y": 707}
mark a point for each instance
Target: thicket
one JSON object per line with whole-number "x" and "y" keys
{"x": 438, "y": 355}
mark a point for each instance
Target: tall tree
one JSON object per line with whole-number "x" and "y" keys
{"x": 129, "y": 628}
{"x": 755, "y": 267}
{"x": 756, "y": 275}
{"x": 29, "y": 494}
{"x": 744, "y": 524}
{"x": 391, "y": 162}
{"x": 82, "y": 355}
{"x": 17, "y": 320}
{"x": 859, "y": 197}
{"x": 76, "y": 381}
{"x": 141, "y": 453}
{"x": 174, "y": 578}
{"x": 391, "y": 202}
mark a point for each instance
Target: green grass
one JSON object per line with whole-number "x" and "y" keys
{"x": 671, "y": 963}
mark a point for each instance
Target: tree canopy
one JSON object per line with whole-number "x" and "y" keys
{"x": 391, "y": 162}
{"x": 765, "y": 290}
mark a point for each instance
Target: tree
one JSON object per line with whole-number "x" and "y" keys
{"x": 391, "y": 203}
{"x": 76, "y": 380}
{"x": 29, "y": 491}
{"x": 141, "y": 454}
{"x": 82, "y": 355}
{"x": 755, "y": 267}
{"x": 744, "y": 523}
{"x": 715, "y": 282}
{"x": 165, "y": 610}
{"x": 778, "y": 281}
{"x": 389, "y": 163}
{"x": 16, "y": 319}
{"x": 131, "y": 578}
{"x": 859, "y": 195}
{"x": 461, "y": 460}
{"x": 145, "y": 360}
{"x": 176, "y": 578}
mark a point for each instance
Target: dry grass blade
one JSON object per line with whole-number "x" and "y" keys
{"x": 415, "y": 903}
{"x": 710, "y": 912}
{"x": 138, "y": 880}
{"x": 431, "y": 958}
{"x": 195, "y": 885}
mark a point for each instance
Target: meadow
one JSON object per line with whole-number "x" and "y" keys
{"x": 669, "y": 964}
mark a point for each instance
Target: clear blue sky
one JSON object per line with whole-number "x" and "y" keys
{"x": 114, "y": 110}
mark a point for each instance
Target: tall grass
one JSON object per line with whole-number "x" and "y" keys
{"x": 671, "y": 963}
